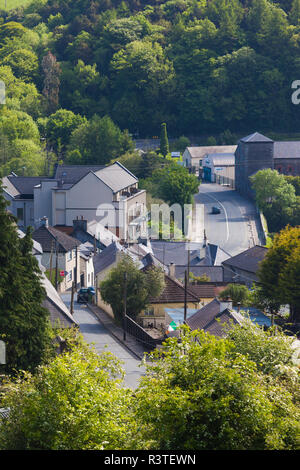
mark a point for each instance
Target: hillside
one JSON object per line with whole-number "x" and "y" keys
{"x": 203, "y": 67}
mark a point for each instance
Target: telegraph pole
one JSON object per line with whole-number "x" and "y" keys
{"x": 72, "y": 298}
{"x": 125, "y": 306}
{"x": 56, "y": 265}
{"x": 185, "y": 296}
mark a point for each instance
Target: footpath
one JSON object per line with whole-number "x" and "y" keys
{"x": 131, "y": 343}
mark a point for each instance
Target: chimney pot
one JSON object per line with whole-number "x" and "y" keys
{"x": 172, "y": 270}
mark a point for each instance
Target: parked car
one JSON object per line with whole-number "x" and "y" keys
{"x": 215, "y": 210}
{"x": 85, "y": 294}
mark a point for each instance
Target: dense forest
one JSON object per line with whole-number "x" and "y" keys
{"x": 76, "y": 69}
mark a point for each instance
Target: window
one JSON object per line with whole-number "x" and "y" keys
{"x": 200, "y": 162}
{"x": 20, "y": 213}
{"x": 70, "y": 255}
{"x": 149, "y": 311}
{"x": 69, "y": 276}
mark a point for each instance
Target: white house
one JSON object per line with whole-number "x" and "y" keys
{"x": 61, "y": 250}
{"x": 193, "y": 157}
{"x": 109, "y": 195}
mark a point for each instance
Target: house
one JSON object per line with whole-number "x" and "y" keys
{"x": 59, "y": 249}
{"x": 219, "y": 168}
{"x": 19, "y": 192}
{"x": 109, "y": 195}
{"x": 59, "y": 314}
{"x": 193, "y": 157}
{"x": 86, "y": 253}
{"x": 172, "y": 297}
{"x": 213, "y": 317}
{"x": 213, "y": 273}
{"x": 104, "y": 262}
{"x": 256, "y": 152}
{"x": 188, "y": 253}
{"x": 244, "y": 266}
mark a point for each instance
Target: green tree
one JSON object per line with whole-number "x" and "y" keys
{"x": 175, "y": 184}
{"x": 99, "y": 141}
{"x": 164, "y": 142}
{"x": 74, "y": 403}
{"x": 238, "y": 294}
{"x": 140, "y": 287}
{"x": 274, "y": 196}
{"x": 60, "y": 126}
{"x": 279, "y": 272}
{"x": 24, "y": 323}
{"x": 202, "y": 393}
{"x": 52, "y": 71}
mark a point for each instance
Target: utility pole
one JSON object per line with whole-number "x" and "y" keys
{"x": 125, "y": 306}
{"x": 51, "y": 258}
{"x": 76, "y": 267}
{"x": 72, "y": 298}
{"x": 185, "y": 296}
{"x": 56, "y": 265}
{"x": 189, "y": 262}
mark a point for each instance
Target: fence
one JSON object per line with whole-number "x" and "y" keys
{"x": 224, "y": 181}
{"x": 140, "y": 334}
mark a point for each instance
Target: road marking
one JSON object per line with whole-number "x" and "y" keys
{"x": 225, "y": 212}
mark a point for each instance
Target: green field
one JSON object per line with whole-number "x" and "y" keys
{"x": 9, "y": 4}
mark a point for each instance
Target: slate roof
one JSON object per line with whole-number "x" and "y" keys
{"x": 211, "y": 320}
{"x": 56, "y": 307}
{"x": 215, "y": 273}
{"x": 116, "y": 177}
{"x": 200, "y": 152}
{"x": 207, "y": 290}
{"x": 256, "y": 137}
{"x": 71, "y": 174}
{"x": 168, "y": 252}
{"x": 37, "y": 248}
{"x": 46, "y": 235}
{"x": 287, "y": 149}
{"x": 248, "y": 260}
{"x": 23, "y": 185}
{"x": 150, "y": 260}
{"x": 173, "y": 293}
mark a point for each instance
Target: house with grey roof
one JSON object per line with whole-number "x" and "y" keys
{"x": 61, "y": 250}
{"x": 243, "y": 268}
{"x": 109, "y": 195}
{"x": 104, "y": 262}
{"x": 213, "y": 317}
{"x": 194, "y": 157}
{"x": 58, "y": 311}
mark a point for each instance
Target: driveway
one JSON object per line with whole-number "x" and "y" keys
{"x": 237, "y": 226}
{"x": 94, "y": 332}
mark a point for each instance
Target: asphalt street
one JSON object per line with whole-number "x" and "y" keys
{"x": 231, "y": 229}
{"x": 94, "y": 332}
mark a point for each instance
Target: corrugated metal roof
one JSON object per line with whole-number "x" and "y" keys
{"x": 200, "y": 152}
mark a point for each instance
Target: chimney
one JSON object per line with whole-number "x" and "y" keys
{"x": 225, "y": 304}
{"x": 80, "y": 224}
{"x": 204, "y": 239}
{"x": 44, "y": 222}
{"x": 172, "y": 270}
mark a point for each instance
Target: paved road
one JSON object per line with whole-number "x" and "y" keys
{"x": 234, "y": 229}
{"x": 94, "y": 332}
